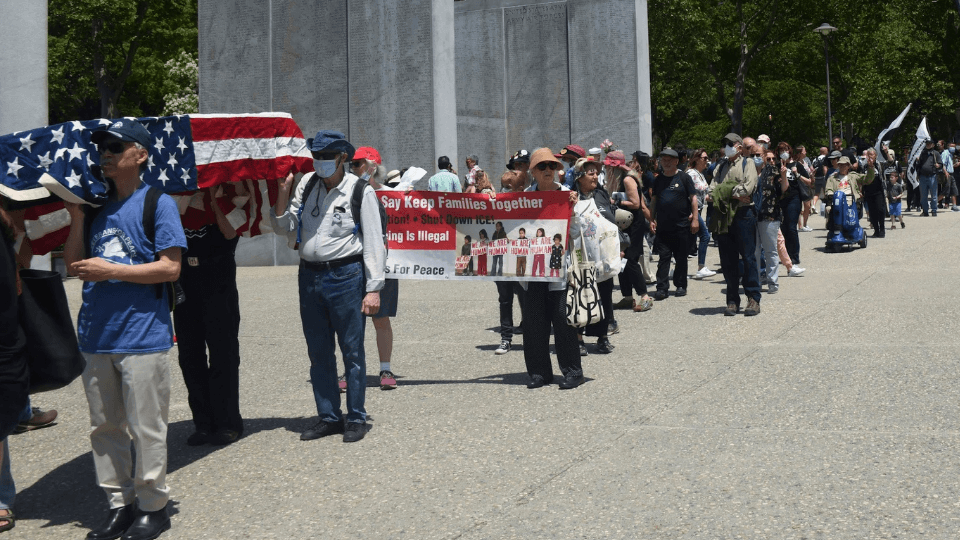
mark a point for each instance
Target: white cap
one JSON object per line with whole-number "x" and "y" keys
{"x": 594, "y": 151}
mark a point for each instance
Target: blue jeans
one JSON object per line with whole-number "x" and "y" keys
{"x": 738, "y": 257}
{"x": 330, "y": 310}
{"x": 8, "y": 490}
{"x": 928, "y": 186}
{"x": 704, "y": 242}
{"x": 497, "y": 269}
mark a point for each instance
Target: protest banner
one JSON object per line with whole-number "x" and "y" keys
{"x": 435, "y": 235}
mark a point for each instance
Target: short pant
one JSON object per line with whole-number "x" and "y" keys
{"x": 388, "y": 299}
{"x": 895, "y": 208}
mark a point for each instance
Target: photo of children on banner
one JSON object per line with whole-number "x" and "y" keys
{"x": 476, "y": 252}
{"x": 521, "y": 248}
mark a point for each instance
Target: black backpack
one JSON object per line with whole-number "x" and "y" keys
{"x": 176, "y": 295}
{"x": 356, "y": 200}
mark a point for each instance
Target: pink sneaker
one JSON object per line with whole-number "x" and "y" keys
{"x": 342, "y": 383}
{"x": 387, "y": 380}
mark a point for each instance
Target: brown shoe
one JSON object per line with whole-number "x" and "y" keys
{"x": 40, "y": 419}
{"x": 753, "y": 308}
{"x": 731, "y": 310}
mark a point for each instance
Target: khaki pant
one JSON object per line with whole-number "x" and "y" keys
{"x": 129, "y": 398}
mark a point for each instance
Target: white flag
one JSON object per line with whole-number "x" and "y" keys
{"x": 881, "y": 157}
{"x": 922, "y": 135}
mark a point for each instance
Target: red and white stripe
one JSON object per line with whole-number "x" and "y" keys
{"x": 232, "y": 147}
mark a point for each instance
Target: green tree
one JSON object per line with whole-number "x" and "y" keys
{"x": 108, "y": 58}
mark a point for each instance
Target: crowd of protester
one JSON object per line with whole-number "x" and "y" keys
{"x": 753, "y": 199}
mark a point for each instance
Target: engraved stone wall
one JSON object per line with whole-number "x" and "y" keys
{"x": 309, "y": 79}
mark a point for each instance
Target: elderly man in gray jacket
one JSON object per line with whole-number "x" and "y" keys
{"x": 342, "y": 267}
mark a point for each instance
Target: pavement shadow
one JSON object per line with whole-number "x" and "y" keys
{"x": 503, "y": 378}
{"x": 67, "y": 495}
{"x": 493, "y": 347}
{"x": 708, "y": 311}
{"x": 180, "y": 455}
{"x": 70, "y": 494}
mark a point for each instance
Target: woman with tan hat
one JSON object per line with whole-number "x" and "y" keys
{"x": 545, "y": 302}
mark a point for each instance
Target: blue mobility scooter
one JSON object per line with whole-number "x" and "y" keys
{"x": 846, "y": 225}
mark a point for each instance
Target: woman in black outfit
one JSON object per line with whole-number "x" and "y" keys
{"x": 545, "y": 303}
{"x": 791, "y": 203}
{"x": 13, "y": 365}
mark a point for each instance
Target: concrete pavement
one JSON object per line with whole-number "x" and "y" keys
{"x": 832, "y": 414}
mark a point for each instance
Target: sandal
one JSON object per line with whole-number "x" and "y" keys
{"x": 9, "y": 519}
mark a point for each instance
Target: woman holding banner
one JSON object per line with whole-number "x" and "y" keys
{"x": 545, "y": 302}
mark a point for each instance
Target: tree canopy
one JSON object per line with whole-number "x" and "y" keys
{"x": 758, "y": 67}
{"x": 108, "y": 58}
{"x": 716, "y": 65}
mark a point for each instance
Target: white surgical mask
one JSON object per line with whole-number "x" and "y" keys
{"x": 325, "y": 168}
{"x": 730, "y": 151}
{"x": 785, "y": 156}
{"x": 758, "y": 160}
{"x": 953, "y": 149}
{"x": 764, "y": 145}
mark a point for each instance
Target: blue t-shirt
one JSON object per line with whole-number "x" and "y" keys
{"x": 118, "y": 317}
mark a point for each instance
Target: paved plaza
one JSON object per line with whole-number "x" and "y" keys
{"x": 833, "y": 414}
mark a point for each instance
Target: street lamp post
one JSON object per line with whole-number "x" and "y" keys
{"x": 824, "y": 30}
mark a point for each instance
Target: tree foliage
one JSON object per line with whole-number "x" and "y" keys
{"x": 758, "y": 67}
{"x": 107, "y": 58}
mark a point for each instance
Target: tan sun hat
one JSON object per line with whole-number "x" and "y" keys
{"x": 543, "y": 155}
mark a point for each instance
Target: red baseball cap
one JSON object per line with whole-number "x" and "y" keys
{"x": 367, "y": 152}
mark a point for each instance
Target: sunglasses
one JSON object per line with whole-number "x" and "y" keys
{"x": 325, "y": 155}
{"x": 730, "y": 144}
{"x": 357, "y": 164}
{"x": 114, "y": 147}
{"x": 553, "y": 166}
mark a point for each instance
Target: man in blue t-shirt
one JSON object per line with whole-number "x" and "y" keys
{"x": 125, "y": 333}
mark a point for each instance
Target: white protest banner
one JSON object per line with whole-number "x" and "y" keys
{"x": 436, "y": 235}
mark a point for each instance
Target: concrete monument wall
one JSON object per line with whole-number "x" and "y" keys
{"x": 417, "y": 79}
{"x": 23, "y": 65}
{"x": 534, "y": 73}
{"x": 380, "y": 71}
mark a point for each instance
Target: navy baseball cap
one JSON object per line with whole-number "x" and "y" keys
{"x": 331, "y": 141}
{"x": 125, "y": 129}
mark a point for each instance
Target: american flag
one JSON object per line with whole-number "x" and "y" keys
{"x": 190, "y": 152}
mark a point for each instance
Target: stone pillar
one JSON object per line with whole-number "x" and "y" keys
{"x": 23, "y": 72}
{"x": 534, "y": 73}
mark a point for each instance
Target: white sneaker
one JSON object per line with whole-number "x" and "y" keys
{"x": 704, "y": 273}
{"x": 504, "y": 348}
{"x": 805, "y": 229}
{"x": 796, "y": 271}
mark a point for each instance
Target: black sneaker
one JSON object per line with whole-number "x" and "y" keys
{"x": 355, "y": 431}
{"x": 604, "y": 346}
{"x": 504, "y": 347}
{"x": 322, "y": 429}
{"x": 536, "y": 381}
{"x": 572, "y": 380}
{"x": 613, "y": 328}
{"x": 199, "y": 438}
{"x": 680, "y": 292}
{"x": 225, "y": 436}
{"x": 660, "y": 295}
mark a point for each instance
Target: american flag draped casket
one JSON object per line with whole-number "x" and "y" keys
{"x": 240, "y": 155}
